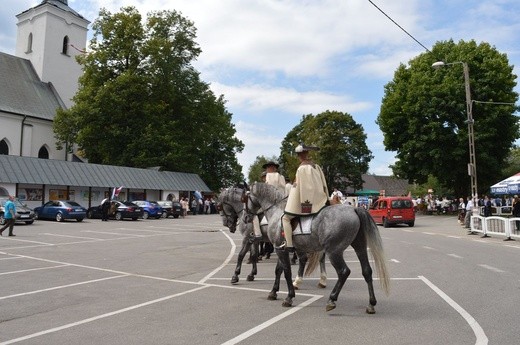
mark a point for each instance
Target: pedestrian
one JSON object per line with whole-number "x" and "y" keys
{"x": 194, "y": 206}
{"x": 9, "y": 216}
{"x": 487, "y": 206}
{"x": 462, "y": 211}
{"x": 184, "y": 207}
{"x": 516, "y": 211}
{"x": 308, "y": 195}
{"x": 469, "y": 211}
{"x": 105, "y": 208}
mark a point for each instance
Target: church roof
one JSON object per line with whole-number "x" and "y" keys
{"x": 22, "y": 92}
{"x": 30, "y": 170}
{"x": 61, "y": 4}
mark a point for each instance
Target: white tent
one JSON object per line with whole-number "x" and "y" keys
{"x": 510, "y": 185}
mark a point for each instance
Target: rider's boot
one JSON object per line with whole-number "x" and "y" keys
{"x": 287, "y": 229}
{"x": 256, "y": 227}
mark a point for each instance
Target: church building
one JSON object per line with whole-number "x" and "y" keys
{"x": 41, "y": 78}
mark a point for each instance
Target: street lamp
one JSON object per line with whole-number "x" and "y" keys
{"x": 472, "y": 166}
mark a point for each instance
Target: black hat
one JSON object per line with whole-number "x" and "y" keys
{"x": 270, "y": 163}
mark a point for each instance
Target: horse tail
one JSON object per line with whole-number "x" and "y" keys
{"x": 313, "y": 259}
{"x": 375, "y": 244}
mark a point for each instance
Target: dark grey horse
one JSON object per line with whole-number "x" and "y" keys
{"x": 332, "y": 231}
{"x": 231, "y": 209}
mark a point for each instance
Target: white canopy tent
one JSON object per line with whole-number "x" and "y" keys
{"x": 510, "y": 185}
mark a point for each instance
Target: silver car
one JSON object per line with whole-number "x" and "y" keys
{"x": 23, "y": 213}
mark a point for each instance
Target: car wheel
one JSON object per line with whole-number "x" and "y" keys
{"x": 90, "y": 214}
{"x": 164, "y": 215}
{"x": 29, "y": 222}
{"x": 385, "y": 223}
{"x": 79, "y": 219}
{"x": 146, "y": 215}
{"x": 411, "y": 224}
{"x": 59, "y": 217}
{"x": 135, "y": 218}
{"x": 176, "y": 216}
{"x": 2, "y": 219}
{"x": 119, "y": 216}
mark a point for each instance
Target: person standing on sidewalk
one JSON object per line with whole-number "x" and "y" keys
{"x": 9, "y": 216}
{"x": 469, "y": 212}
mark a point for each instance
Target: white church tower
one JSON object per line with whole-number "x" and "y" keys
{"x": 50, "y": 35}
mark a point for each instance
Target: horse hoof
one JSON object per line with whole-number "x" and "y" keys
{"x": 250, "y": 278}
{"x": 322, "y": 286}
{"x": 331, "y": 305}
{"x": 234, "y": 280}
{"x": 371, "y": 309}
{"x": 272, "y": 296}
{"x": 287, "y": 303}
{"x": 296, "y": 287}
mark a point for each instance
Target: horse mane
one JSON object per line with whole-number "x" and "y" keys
{"x": 269, "y": 192}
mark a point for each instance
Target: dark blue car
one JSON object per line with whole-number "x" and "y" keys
{"x": 150, "y": 208}
{"x": 61, "y": 210}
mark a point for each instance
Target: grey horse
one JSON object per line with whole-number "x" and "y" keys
{"x": 333, "y": 229}
{"x": 231, "y": 208}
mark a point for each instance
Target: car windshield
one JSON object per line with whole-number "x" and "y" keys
{"x": 401, "y": 203}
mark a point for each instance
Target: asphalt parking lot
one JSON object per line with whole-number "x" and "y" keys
{"x": 166, "y": 281}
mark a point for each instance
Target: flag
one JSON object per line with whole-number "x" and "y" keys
{"x": 116, "y": 191}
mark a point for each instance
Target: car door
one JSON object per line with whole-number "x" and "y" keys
{"x": 376, "y": 211}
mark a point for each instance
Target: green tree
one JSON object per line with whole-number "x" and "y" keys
{"x": 512, "y": 164}
{"x": 344, "y": 155}
{"x": 141, "y": 103}
{"x": 423, "y": 115}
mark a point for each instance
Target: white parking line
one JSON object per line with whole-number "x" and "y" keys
{"x": 33, "y": 269}
{"x": 477, "y": 330}
{"x": 62, "y": 287}
{"x": 455, "y": 256}
{"x": 429, "y": 248}
{"x": 491, "y": 268}
{"x": 228, "y": 259}
{"x": 57, "y": 235}
{"x": 112, "y": 233}
{"x": 271, "y": 321}
{"x": 102, "y": 316}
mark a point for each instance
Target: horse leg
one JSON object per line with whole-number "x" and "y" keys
{"x": 323, "y": 273}
{"x": 254, "y": 261}
{"x": 273, "y": 295}
{"x": 283, "y": 256}
{"x": 301, "y": 269}
{"x": 246, "y": 245}
{"x": 342, "y": 270}
{"x": 360, "y": 246}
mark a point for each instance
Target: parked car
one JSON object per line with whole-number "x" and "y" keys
{"x": 150, "y": 208}
{"x": 393, "y": 210}
{"x": 118, "y": 210}
{"x": 61, "y": 210}
{"x": 23, "y": 213}
{"x": 170, "y": 208}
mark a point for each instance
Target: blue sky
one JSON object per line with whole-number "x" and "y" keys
{"x": 276, "y": 60}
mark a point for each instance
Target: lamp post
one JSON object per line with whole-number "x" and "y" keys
{"x": 472, "y": 165}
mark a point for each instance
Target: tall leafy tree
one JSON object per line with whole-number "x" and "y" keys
{"x": 344, "y": 155}
{"x": 423, "y": 115}
{"x": 256, "y": 169}
{"x": 141, "y": 103}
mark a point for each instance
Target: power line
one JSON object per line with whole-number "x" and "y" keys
{"x": 400, "y": 27}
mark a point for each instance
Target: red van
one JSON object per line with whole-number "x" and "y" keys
{"x": 393, "y": 210}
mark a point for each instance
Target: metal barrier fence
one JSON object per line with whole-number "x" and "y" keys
{"x": 495, "y": 225}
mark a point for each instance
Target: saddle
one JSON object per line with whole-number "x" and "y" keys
{"x": 301, "y": 225}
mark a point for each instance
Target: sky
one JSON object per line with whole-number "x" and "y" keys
{"x": 277, "y": 60}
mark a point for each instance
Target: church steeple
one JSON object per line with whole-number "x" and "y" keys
{"x": 50, "y": 35}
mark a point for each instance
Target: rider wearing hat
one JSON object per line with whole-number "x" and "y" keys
{"x": 308, "y": 195}
{"x": 273, "y": 177}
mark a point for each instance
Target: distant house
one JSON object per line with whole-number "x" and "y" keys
{"x": 382, "y": 185}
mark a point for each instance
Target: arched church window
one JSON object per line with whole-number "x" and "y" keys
{"x": 29, "y": 43}
{"x": 65, "y": 49}
{"x": 4, "y": 148}
{"x": 43, "y": 153}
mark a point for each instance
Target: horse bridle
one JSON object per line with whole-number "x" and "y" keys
{"x": 246, "y": 197}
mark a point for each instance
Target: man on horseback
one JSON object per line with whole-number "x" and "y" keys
{"x": 272, "y": 177}
{"x": 308, "y": 195}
